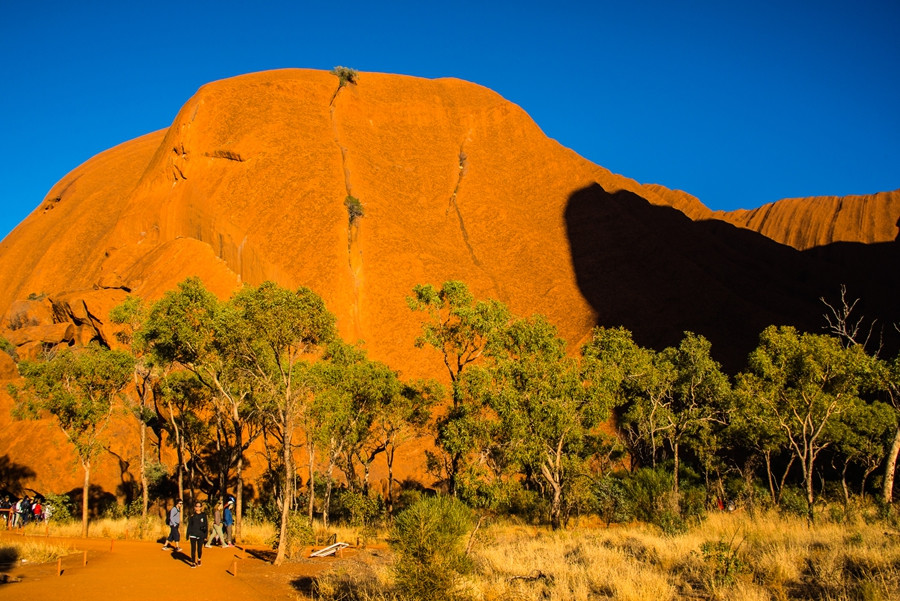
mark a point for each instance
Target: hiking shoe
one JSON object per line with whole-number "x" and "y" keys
{"x": 208, "y": 546}
{"x": 193, "y": 565}
{"x": 199, "y": 563}
{"x": 165, "y": 548}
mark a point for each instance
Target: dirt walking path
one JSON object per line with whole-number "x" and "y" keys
{"x": 135, "y": 570}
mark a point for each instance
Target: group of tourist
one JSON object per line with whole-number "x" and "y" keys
{"x": 198, "y": 530}
{"x": 21, "y": 511}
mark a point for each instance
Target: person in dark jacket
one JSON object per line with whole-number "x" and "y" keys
{"x": 197, "y": 531}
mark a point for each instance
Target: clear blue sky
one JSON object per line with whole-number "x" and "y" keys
{"x": 739, "y": 103}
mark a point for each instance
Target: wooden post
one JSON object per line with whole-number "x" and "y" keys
{"x": 48, "y": 529}
{"x": 59, "y": 566}
{"x": 234, "y": 568}
{"x": 111, "y": 542}
{"x": 84, "y": 561}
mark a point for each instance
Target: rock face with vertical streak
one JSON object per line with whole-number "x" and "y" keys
{"x": 250, "y": 181}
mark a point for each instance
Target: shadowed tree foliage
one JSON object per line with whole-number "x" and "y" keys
{"x": 805, "y": 382}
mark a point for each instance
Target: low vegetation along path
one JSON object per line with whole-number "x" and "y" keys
{"x": 131, "y": 570}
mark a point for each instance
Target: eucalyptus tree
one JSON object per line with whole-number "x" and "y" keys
{"x": 548, "y": 419}
{"x": 805, "y": 382}
{"x": 278, "y": 333}
{"x": 190, "y": 329}
{"x": 183, "y": 402}
{"x": 459, "y": 327}
{"x": 630, "y": 380}
{"x": 354, "y": 397}
{"x": 77, "y": 389}
{"x": 863, "y": 436}
{"x": 405, "y": 417}
{"x": 696, "y": 403}
{"x": 888, "y": 378}
{"x": 130, "y": 316}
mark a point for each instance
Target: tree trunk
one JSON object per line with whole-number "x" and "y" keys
{"x": 145, "y": 493}
{"x": 810, "y": 493}
{"x": 784, "y": 476}
{"x": 675, "y": 450}
{"x": 844, "y": 483}
{"x": 285, "y": 505}
{"x": 239, "y": 494}
{"x": 311, "y": 485}
{"x": 326, "y": 505}
{"x": 768, "y": 456}
{"x": 85, "y": 491}
{"x": 888, "y": 491}
{"x": 389, "y": 456}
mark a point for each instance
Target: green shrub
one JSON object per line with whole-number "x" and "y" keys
{"x": 299, "y": 534}
{"x": 612, "y": 501}
{"x": 365, "y": 511}
{"x": 9, "y": 348}
{"x": 354, "y": 208}
{"x": 345, "y": 75}
{"x": 60, "y": 507}
{"x": 792, "y": 501}
{"x": 722, "y": 561}
{"x": 428, "y": 540}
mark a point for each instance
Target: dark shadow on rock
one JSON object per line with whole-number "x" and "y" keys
{"x": 656, "y": 272}
{"x": 13, "y": 476}
{"x": 99, "y": 500}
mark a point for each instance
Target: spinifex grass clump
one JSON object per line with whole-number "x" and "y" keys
{"x": 428, "y": 539}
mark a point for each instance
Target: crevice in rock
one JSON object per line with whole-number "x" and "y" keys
{"x": 51, "y": 202}
{"x": 228, "y": 155}
{"x": 354, "y": 253}
{"x": 453, "y": 205}
{"x": 463, "y": 167}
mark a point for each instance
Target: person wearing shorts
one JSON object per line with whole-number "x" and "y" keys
{"x": 174, "y": 523}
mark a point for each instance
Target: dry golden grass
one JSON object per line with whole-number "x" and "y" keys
{"x": 30, "y": 551}
{"x": 767, "y": 558}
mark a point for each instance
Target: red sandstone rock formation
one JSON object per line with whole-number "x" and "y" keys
{"x": 249, "y": 184}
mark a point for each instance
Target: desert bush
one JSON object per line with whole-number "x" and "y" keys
{"x": 792, "y": 501}
{"x": 9, "y": 348}
{"x": 612, "y": 503}
{"x": 345, "y": 75}
{"x": 428, "y": 541}
{"x": 723, "y": 562}
{"x": 61, "y": 507}
{"x": 299, "y": 534}
{"x": 354, "y": 208}
{"x": 365, "y": 512}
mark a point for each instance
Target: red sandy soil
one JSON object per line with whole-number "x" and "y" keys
{"x": 127, "y": 570}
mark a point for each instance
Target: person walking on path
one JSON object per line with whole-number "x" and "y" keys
{"x": 174, "y": 524}
{"x": 228, "y": 522}
{"x": 217, "y": 532}
{"x": 197, "y": 529}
